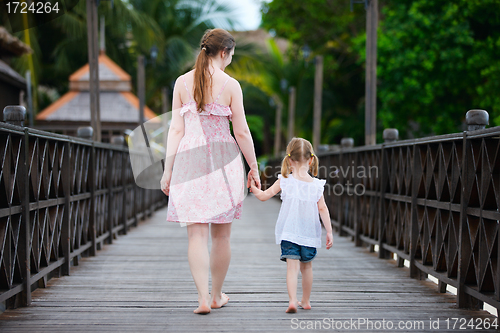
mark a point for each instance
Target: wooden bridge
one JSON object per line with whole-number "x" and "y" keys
{"x": 142, "y": 283}
{"x": 413, "y": 209}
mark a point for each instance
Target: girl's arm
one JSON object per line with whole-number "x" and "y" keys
{"x": 269, "y": 193}
{"x": 242, "y": 132}
{"x": 325, "y": 218}
{"x": 175, "y": 134}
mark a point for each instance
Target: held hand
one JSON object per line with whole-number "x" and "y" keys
{"x": 253, "y": 187}
{"x": 253, "y": 175}
{"x": 165, "y": 183}
{"x": 329, "y": 240}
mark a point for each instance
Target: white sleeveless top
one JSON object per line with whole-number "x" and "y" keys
{"x": 298, "y": 219}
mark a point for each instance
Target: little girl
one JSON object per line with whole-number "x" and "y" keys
{"x": 298, "y": 228}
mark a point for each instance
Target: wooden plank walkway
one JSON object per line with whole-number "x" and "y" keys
{"x": 142, "y": 283}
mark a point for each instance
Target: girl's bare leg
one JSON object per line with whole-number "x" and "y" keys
{"x": 220, "y": 256}
{"x": 292, "y": 272}
{"x": 307, "y": 280}
{"x": 198, "y": 263}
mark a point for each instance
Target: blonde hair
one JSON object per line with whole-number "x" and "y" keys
{"x": 212, "y": 42}
{"x": 299, "y": 150}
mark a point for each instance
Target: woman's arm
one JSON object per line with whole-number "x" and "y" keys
{"x": 267, "y": 194}
{"x": 175, "y": 134}
{"x": 242, "y": 132}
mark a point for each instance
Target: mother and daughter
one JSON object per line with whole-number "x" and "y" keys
{"x": 204, "y": 178}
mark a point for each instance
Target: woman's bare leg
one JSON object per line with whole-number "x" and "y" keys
{"x": 198, "y": 263}
{"x": 307, "y": 281}
{"x": 220, "y": 256}
{"x": 292, "y": 273}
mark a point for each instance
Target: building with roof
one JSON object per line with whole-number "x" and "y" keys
{"x": 12, "y": 84}
{"x": 119, "y": 107}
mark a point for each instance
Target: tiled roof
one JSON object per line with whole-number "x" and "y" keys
{"x": 117, "y": 102}
{"x": 115, "y": 107}
{"x": 108, "y": 71}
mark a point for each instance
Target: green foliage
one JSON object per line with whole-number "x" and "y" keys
{"x": 256, "y": 125}
{"x": 328, "y": 28}
{"x": 436, "y": 60}
{"x": 261, "y": 75}
{"x": 318, "y": 23}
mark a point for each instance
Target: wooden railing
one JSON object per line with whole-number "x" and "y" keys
{"x": 433, "y": 201}
{"x": 61, "y": 197}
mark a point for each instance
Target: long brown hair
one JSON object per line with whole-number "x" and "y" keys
{"x": 212, "y": 42}
{"x": 299, "y": 150}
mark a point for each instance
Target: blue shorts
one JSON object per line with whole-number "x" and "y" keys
{"x": 291, "y": 250}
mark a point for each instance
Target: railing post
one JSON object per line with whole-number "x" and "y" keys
{"x": 120, "y": 141}
{"x": 66, "y": 228}
{"x": 476, "y": 120}
{"x": 416, "y": 174}
{"x": 355, "y": 202}
{"x": 345, "y": 143}
{"x": 14, "y": 114}
{"x": 135, "y": 202}
{"x": 109, "y": 178}
{"x": 93, "y": 213}
{"x": 151, "y": 203}
{"x": 25, "y": 232}
{"x": 390, "y": 135}
{"x": 143, "y": 203}
{"x": 382, "y": 253}
{"x": 124, "y": 191}
{"x": 87, "y": 132}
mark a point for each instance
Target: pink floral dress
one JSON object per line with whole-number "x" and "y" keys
{"x": 208, "y": 179}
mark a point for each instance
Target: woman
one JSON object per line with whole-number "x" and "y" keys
{"x": 204, "y": 174}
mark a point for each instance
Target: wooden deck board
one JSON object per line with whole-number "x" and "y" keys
{"x": 142, "y": 283}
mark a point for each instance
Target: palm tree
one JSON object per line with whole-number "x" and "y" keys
{"x": 263, "y": 75}
{"x": 182, "y": 24}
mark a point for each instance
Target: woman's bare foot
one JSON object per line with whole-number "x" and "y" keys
{"x": 305, "y": 305}
{"x": 292, "y": 307}
{"x": 203, "y": 307}
{"x": 219, "y": 303}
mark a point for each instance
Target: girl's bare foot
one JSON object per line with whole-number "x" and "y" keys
{"x": 292, "y": 307}
{"x": 305, "y": 305}
{"x": 203, "y": 307}
{"x": 219, "y": 303}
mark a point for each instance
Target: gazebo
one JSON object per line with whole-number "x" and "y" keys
{"x": 119, "y": 107}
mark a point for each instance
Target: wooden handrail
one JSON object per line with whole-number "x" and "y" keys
{"x": 433, "y": 201}
{"x": 61, "y": 197}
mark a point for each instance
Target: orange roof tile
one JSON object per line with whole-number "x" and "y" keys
{"x": 105, "y": 60}
{"x": 132, "y": 99}
{"x": 56, "y": 105}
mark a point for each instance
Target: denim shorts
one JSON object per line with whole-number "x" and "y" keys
{"x": 291, "y": 250}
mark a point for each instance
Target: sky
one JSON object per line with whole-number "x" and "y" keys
{"x": 247, "y": 12}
